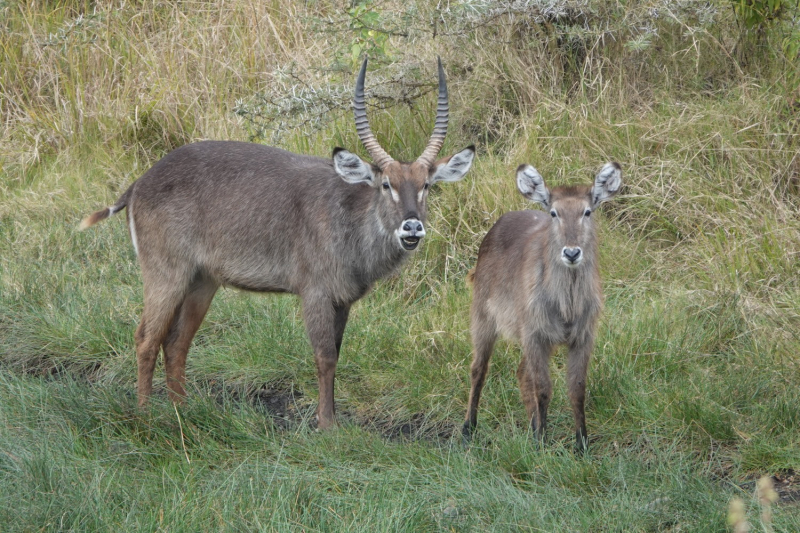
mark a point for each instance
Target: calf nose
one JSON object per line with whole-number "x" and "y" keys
{"x": 572, "y": 254}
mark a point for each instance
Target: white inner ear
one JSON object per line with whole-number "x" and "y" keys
{"x": 531, "y": 184}
{"x": 606, "y": 184}
{"x": 352, "y": 168}
{"x": 456, "y": 168}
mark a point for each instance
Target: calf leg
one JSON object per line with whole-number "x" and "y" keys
{"x": 535, "y": 385}
{"x": 526, "y": 388}
{"x": 320, "y": 317}
{"x": 183, "y": 329}
{"x": 484, "y": 335}
{"x": 577, "y": 367}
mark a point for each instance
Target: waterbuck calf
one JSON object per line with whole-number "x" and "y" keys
{"x": 263, "y": 219}
{"x": 537, "y": 281}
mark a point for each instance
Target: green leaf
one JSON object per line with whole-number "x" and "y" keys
{"x": 355, "y": 52}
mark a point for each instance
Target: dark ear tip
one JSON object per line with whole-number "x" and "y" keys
{"x": 521, "y": 167}
{"x": 616, "y": 165}
{"x": 337, "y": 150}
{"x": 470, "y": 147}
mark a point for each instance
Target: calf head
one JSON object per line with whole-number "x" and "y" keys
{"x": 572, "y": 231}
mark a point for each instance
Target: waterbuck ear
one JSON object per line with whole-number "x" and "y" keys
{"x": 531, "y": 184}
{"x": 352, "y": 168}
{"x": 455, "y": 167}
{"x": 607, "y": 183}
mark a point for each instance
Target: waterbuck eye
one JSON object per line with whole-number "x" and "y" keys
{"x": 386, "y": 186}
{"x": 587, "y": 213}
{"x": 426, "y": 186}
{"x": 553, "y": 213}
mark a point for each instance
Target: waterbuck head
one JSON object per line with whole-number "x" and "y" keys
{"x": 403, "y": 187}
{"x": 572, "y": 228}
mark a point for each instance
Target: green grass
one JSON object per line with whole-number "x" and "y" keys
{"x": 695, "y": 380}
{"x": 85, "y": 458}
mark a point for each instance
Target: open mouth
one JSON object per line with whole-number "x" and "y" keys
{"x": 409, "y": 243}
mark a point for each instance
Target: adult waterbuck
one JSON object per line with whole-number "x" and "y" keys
{"x": 263, "y": 219}
{"x": 537, "y": 281}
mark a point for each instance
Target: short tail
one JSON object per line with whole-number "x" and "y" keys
{"x": 103, "y": 214}
{"x": 471, "y": 276}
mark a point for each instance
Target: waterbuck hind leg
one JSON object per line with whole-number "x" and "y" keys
{"x": 320, "y": 318}
{"x": 484, "y": 335}
{"x": 577, "y": 367}
{"x": 161, "y": 303}
{"x": 527, "y": 387}
{"x": 183, "y": 329}
{"x": 535, "y": 385}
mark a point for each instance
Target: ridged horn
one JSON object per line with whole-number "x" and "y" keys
{"x": 440, "y": 127}
{"x": 378, "y": 154}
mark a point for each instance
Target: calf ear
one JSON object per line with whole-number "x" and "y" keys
{"x": 455, "y": 167}
{"x": 607, "y": 183}
{"x": 531, "y": 184}
{"x": 352, "y": 168}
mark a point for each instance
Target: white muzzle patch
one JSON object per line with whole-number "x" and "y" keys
{"x": 409, "y": 234}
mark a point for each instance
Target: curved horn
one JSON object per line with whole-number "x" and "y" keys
{"x": 440, "y": 127}
{"x": 378, "y": 154}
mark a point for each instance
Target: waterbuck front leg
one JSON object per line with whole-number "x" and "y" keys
{"x": 534, "y": 383}
{"x": 484, "y": 335}
{"x": 341, "y": 312}
{"x": 577, "y": 367}
{"x": 183, "y": 329}
{"x": 320, "y": 315}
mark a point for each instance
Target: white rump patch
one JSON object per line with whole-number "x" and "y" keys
{"x": 132, "y": 227}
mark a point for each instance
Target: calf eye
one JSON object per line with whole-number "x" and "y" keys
{"x": 386, "y": 186}
{"x": 553, "y": 213}
{"x": 587, "y": 213}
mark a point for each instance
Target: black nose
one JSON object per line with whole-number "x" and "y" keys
{"x": 572, "y": 254}
{"x": 413, "y": 226}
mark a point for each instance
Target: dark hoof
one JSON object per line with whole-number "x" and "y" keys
{"x": 539, "y": 436}
{"x": 581, "y": 445}
{"x": 466, "y": 433}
